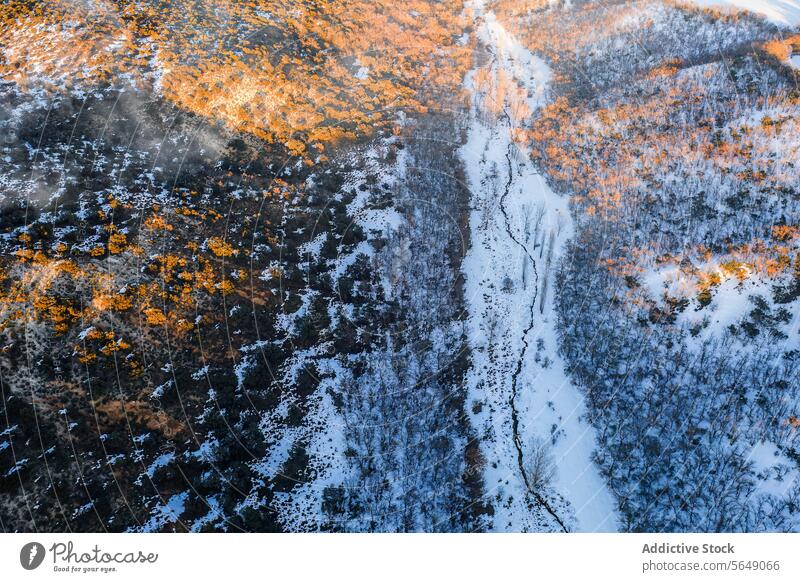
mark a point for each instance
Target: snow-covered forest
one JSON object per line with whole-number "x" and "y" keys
{"x": 368, "y": 266}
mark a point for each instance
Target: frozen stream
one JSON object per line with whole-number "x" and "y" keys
{"x": 525, "y": 405}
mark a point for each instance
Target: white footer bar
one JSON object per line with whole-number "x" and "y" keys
{"x": 458, "y": 557}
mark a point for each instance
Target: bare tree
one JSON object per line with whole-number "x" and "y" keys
{"x": 539, "y": 465}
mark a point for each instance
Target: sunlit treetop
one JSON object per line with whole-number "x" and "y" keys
{"x": 301, "y": 73}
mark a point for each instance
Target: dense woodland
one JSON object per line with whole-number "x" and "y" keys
{"x": 231, "y": 246}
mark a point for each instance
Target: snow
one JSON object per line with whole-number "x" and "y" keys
{"x": 162, "y": 461}
{"x": 166, "y": 513}
{"x": 781, "y": 12}
{"x": 530, "y": 71}
{"x": 323, "y": 431}
{"x": 499, "y": 290}
{"x": 669, "y": 280}
{"x": 176, "y": 505}
{"x": 312, "y": 248}
{"x": 776, "y": 472}
{"x": 731, "y": 301}
{"x": 213, "y": 515}
{"x": 278, "y": 453}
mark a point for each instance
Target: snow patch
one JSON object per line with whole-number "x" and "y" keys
{"x": 781, "y": 12}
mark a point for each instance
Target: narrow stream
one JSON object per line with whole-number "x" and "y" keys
{"x": 524, "y": 401}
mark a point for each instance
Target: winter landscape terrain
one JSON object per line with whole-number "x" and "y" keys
{"x": 368, "y": 266}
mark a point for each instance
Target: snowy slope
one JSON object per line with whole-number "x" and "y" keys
{"x": 781, "y": 12}
{"x": 518, "y": 228}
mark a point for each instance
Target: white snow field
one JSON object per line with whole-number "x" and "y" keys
{"x": 781, "y": 12}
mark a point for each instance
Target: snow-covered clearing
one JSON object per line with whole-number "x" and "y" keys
{"x": 781, "y": 12}
{"x": 522, "y": 400}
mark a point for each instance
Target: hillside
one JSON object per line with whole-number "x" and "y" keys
{"x": 482, "y": 265}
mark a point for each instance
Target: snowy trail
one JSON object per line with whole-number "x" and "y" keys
{"x": 520, "y": 393}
